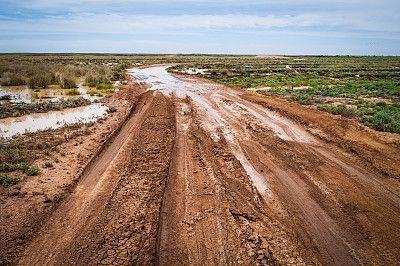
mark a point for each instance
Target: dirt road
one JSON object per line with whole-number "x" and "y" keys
{"x": 202, "y": 174}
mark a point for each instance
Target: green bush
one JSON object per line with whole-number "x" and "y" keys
{"x": 104, "y": 86}
{"x": 67, "y": 83}
{"x": 339, "y": 109}
{"x": 26, "y": 169}
{"x": 32, "y": 171}
{"x": 73, "y": 92}
{"x": 39, "y": 82}
{"x": 384, "y": 118}
{"x": 93, "y": 79}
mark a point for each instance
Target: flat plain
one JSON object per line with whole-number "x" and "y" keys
{"x": 199, "y": 160}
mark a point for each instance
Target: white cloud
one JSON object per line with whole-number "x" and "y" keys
{"x": 342, "y": 21}
{"x": 128, "y": 24}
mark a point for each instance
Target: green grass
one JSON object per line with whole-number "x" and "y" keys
{"x": 339, "y": 109}
{"x": 105, "y": 86}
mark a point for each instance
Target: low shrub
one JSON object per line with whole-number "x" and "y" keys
{"x": 73, "y": 92}
{"x": 104, "y": 86}
{"x": 93, "y": 79}
{"x": 339, "y": 109}
{"x": 12, "y": 79}
{"x": 47, "y": 165}
{"x": 26, "y": 169}
{"x": 7, "y": 181}
{"x": 5, "y": 97}
{"x": 383, "y": 117}
{"x": 39, "y": 82}
{"x": 40, "y": 107}
{"x": 67, "y": 83}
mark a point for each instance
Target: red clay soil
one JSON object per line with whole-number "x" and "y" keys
{"x": 223, "y": 177}
{"x": 26, "y": 205}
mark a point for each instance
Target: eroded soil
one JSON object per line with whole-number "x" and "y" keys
{"x": 201, "y": 174}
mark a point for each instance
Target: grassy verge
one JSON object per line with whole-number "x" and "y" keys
{"x": 352, "y": 101}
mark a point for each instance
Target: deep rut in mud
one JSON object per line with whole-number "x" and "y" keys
{"x": 201, "y": 176}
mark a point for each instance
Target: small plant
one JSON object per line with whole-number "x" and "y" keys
{"x": 5, "y": 97}
{"x": 48, "y": 165}
{"x": 104, "y": 86}
{"x": 112, "y": 109}
{"x": 73, "y": 92}
{"x": 39, "y": 81}
{"x": 7, "y": 181}
{"x": 40, "y": 107}
{"x": 32, "y": 171}
{"x": 339, "y": 109}
{"x": 67, "y": 83}
{"x": 26, "y": 169}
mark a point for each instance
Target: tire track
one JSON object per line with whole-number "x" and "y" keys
{"x": 57, "y": 241}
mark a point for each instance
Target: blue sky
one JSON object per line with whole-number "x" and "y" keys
{"x": 202, "y": 26}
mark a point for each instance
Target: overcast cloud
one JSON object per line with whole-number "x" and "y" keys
{"x": 230, "y": 26}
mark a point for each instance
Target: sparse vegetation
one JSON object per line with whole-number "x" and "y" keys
{"x": 73, "y": 92}
{"x": 40, "y": 107}
{"x": 48, "y": 165}
{"x": 7, "y": 181}
{"x": 11, "y": 79}
{"x": 344, "y": 85}
{"x": 362, "y": 88}
{"x": 9, "y": 167}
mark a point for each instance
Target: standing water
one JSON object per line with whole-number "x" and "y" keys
{"x": 13, "y": 126}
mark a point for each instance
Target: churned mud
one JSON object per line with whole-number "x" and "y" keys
{"x": 202, "y": 174}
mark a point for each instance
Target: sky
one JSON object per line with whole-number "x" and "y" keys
{"x": 290, "y": 27}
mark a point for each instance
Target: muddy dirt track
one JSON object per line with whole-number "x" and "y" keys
{"x": 202, "y": 174}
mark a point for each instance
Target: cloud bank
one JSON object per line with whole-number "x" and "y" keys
{"x": 362, "y": 23}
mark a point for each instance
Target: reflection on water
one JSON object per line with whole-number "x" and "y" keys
{"x": 22, "y": 94}
{"x": 12, "y": 126}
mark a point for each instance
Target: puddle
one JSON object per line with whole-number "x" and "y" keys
{"x": 13, "y": 126}
{"x": 20, "y": 94}
{"x": 213, "y": 115}
{"x": 85, "y": 95}
{"x": 194, "y": 71}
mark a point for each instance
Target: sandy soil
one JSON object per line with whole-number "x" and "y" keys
{"x": 201, "y": 174}
{"x": 25, "y": 206}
